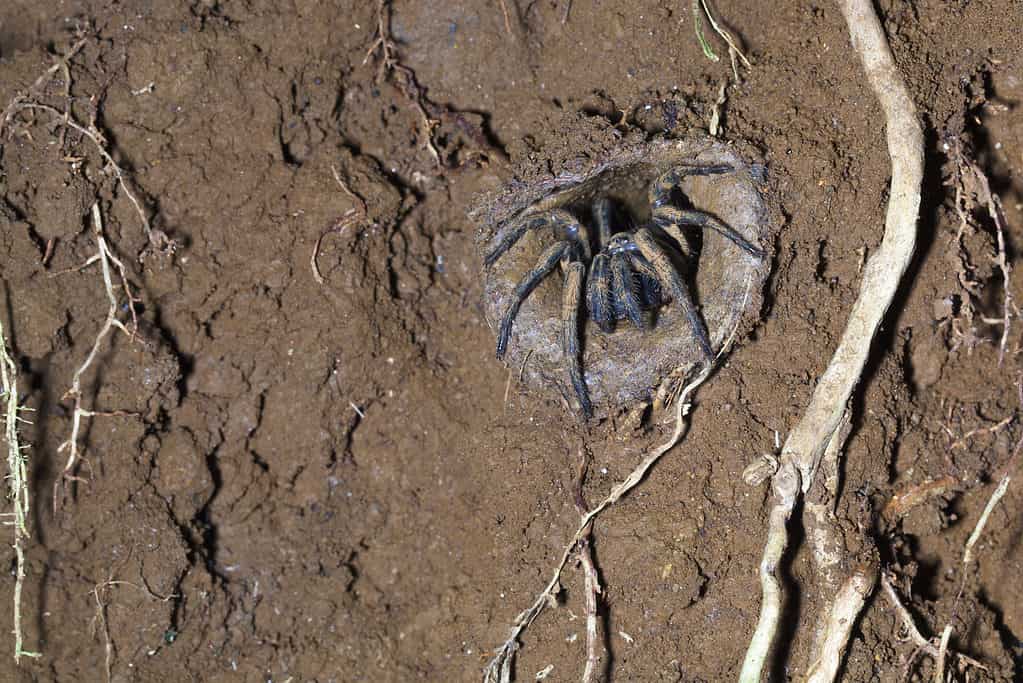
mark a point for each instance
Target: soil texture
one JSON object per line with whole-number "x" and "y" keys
{"x": 305, "y": 463}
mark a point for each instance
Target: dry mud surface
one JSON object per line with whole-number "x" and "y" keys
{"x": 336, "y": 480}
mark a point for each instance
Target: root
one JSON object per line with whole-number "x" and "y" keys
{"x": 999, "y": 492}
{"x": 908, "y": 498}
{"x": 499, "y": 669}
{"x": 921, "y": 643}
{"x": 847, "y": 606}
{"x": 383, "y": 43}
{"x": 591, "y": 581}
{"x": 507, "y": 17}
{"x": 65, "y": 119}
{"x": 99, "y": 619}
{"x": 28, "y": 101}
{"x": 699, "y": 8}
{"x": 60, "y": 65}
{"x": 350, "y": 217}
{"x": 390, "y": 63}
{"x": 106, "y": 258}
{"x": 972, "y": 188}
{"x": 17, "y": 477}
{"x": 801, "y": 455}
{"x": 430, "y": 114}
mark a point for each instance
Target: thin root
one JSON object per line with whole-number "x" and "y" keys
{"x": 922, "y": 644}
{"x": 591, "y": 580}
{"x": 499, "y": 669}
{"x": 106, "y": 258}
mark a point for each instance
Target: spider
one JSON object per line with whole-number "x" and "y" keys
{"x": 630, "y": 271}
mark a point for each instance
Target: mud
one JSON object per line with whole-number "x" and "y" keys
{"x": 337, "y": 481}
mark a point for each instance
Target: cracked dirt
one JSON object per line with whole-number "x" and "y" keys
{"x": 326, "y": 482}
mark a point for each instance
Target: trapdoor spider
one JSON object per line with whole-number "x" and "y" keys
{"x": 633, "y": 270}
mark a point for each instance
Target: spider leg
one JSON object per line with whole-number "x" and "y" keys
{"x": 603, "y": 212}
{"x": 514, "y": 235}
{"x": 575, "y": 231}
{"x": 624, "y": 287}
{"x": 565, "y": 227}
{"x": 650, "y": 281}
{"x": 660, "y": 191}
{"x": 547, "y": 262}
{"x": 574, "y": 273}
{"x": 673, "y": 231}
{"x": 598, "y": 294}
{"x": 668, "y": 218}
{"x": 672, "y": 281}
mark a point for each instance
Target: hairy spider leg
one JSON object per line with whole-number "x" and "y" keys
{"x": 660, "y": 191}
{"x": 650, "y": 281}
{"x": 623, "y": 288}
{"x": 672, "y": 281}
{"x": 557, "y": 218}
{"x": 603, "y": 214}
{"x": 598, "y": 294}
{"x": 669, "y": 217}
{"x": 513, "y": 236}
{"x": 675, "y": 233}
{"x": 548, "y": 260}
{"x": 575, "y": 231}
{"x": 574, "y": 272}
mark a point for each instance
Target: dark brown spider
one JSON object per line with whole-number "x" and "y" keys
{"x": 634, "y": 270}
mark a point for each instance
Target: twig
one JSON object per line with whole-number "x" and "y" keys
{"x": 17, "y": 476}
{"x": 807, "y": 441}
{"x": 105, "y": 257}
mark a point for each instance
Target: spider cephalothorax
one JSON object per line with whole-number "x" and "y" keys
{"x": 625, "y": 274}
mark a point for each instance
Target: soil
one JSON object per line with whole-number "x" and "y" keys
{"x": 336, "y": 481}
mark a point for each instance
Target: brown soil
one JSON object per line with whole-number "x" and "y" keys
{"x": 326, "y": 482}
